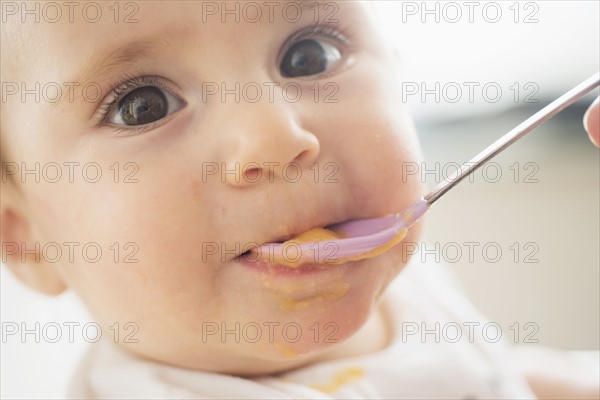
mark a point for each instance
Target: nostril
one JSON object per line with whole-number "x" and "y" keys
{"x": 252, "y": 175}
{"x": 246, "y": 253}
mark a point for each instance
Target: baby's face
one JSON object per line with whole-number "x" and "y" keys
{"x": 196, "y": 170}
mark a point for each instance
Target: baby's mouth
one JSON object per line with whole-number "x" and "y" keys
{"x": 267, "y": 251}
{"x": 316, "y": 246}
{"x": 333, "y": 244}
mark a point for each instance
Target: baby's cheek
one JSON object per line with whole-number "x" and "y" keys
{"x": 131, "y": 246}
{"x": 372, "y": 136}
{"x": 385, "y": 147}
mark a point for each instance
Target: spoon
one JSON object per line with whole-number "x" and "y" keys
{"x": 366, "y": 238}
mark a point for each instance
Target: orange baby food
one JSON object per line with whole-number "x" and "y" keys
{"x": 322, "y": 234}
{"x": 315, "y": 235}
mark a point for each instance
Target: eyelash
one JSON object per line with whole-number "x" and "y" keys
{"x": 127, "y": 85}
{"x": 340, "y": 35}
{"x": 130, "y": 83}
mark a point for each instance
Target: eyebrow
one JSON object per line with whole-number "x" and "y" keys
{"x": 148, "y": 46}
{"x": 108, "y": 61}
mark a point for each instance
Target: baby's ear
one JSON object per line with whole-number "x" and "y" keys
{"x": 19, "y": 250}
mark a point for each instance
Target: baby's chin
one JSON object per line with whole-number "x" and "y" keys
{"x": 271, "y": 323}
{"x": 295, "y": 332}
{"x": 338, "y": 320}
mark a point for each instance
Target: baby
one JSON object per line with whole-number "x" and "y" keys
{"x": 187, "y": 133}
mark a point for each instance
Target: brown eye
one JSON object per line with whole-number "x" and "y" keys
{"x": 309, "y": 57}
{"x": 144, "y": 105}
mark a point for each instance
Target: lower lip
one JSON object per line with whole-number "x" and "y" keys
{"x": 248, "y": 261}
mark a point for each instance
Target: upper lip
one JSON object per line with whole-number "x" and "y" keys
{"x": 318, "y": 209}
{"x": 298, "y": 228}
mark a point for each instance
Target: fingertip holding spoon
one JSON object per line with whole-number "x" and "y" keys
{"x": 367, "y": 238}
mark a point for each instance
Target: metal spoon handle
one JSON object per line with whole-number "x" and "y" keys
{"x": 512, "y": 136}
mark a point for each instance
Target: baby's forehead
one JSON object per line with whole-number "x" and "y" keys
{"x": 74, "y": 19}
{"x": 43, "y": 38}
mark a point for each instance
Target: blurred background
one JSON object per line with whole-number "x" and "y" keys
{"x": 523, "y": 235}
{"x": 470, "y": 75}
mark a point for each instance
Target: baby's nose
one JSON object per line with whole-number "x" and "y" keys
{"x": 267, "y": 141}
